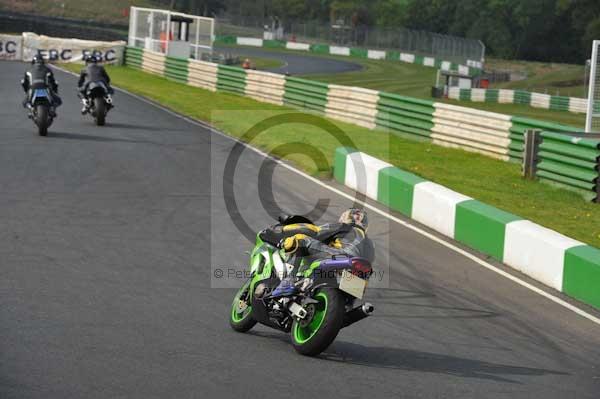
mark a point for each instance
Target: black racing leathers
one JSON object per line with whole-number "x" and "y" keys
{"x": 340, "y": 239}
{"x": 40, "y": 77}
{"x": 329, "y": 240}
{"x": 93, "y": 73}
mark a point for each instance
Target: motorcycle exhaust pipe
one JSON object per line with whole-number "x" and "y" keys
{"x": 358, "y": 313}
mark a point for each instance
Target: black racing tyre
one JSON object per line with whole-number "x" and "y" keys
{"x": 42, "y": 119}
{"x": 325, "y": 320}
{"x": 100, "y": 111}
{"x": 240, "y": 314}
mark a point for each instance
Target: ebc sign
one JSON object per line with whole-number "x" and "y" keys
{"x": 10, "y": 47}
{"x": 67, "y": 54}
{"x": 56, "y": 49}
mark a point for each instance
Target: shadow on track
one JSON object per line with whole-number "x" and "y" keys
{"x": 120, "y": 125}
{"x": 411, "y": 360}
{"x": 398, "y": 297}
{"x": 89, "y": 137}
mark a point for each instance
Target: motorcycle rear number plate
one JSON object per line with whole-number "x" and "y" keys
{"x": 352, "y": 284}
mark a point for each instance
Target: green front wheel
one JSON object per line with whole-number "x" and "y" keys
{"x": 322, "y": 324}
{"x": 240, "y": 316}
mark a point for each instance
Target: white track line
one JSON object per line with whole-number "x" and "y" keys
{"x": 412, "y": 227}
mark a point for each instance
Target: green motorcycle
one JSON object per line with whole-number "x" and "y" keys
{"x": 323, "y": 305}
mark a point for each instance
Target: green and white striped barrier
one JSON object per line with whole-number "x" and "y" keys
{"x": 553, "y": 259}
{"x": 495, "y": 135}
{"x": 489, "y": 133}
{"x": 569, "y": 161}
{"x": 505, "y": 96}
{"x": 231, "y": 79}
{"x": 203, "y": 75}
{"x": 472, "y": 68}
{"x": 265, "y": 87}
{"x": 306, "y": 94}
{"x": 484, "y": 132}
{"x": 353, "y": 105}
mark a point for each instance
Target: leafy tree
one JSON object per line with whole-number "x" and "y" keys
{"x": 545, "y": 30}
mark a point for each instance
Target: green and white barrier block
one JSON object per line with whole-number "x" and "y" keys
{"x": 409, "y": 58}
{"x": 537, "y": 251}
{"x": 362, "y": 173}
{"x": 249, "y": 41}
{"x": 551, "y": 258}
{"x": 335, "y": 50}
{"x": 482, "y": 227}
{"x": 581, "y": 275}
{"x": 435, "y": 206}
{"x": 376, "y": 54}
{"x": 297, "y": 46}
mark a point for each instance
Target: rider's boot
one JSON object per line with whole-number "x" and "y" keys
{"x": 109, "y": 102}
{"x": 286, "y": 287}
{"x": 86, "y": 106}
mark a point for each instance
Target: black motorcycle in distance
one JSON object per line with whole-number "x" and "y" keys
{"x": 41, "y": 110}
{"x": 98, "y": 101}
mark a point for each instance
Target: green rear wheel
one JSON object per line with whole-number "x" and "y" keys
{"x": 240, "y": 318}
{"x": 322, "y": 324}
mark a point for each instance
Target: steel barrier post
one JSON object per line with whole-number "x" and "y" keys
{"x": 533, "y": 139}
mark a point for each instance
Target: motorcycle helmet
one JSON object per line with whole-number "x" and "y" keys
{"x": 355, "y": 216}
{"x": 37, "y": 59}
{"x": 92, "y": 59}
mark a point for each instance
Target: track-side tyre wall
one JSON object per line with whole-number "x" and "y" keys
{"x": 42, "y": 119}
{"x": 241, "y": 322}
{"x": 322, "y": 330}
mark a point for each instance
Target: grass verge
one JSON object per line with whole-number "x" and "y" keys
{"x": 416, "y": 81}
{"x": 494, "y": 182}
{"x": 542, "y": 77}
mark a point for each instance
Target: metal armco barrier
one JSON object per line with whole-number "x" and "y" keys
{"x": 530, "y": 155}
{"x": 520, "y": 126}
{"x": 571, "y": 160}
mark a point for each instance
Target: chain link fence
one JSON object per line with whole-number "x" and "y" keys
{"x": 453, "y": 48}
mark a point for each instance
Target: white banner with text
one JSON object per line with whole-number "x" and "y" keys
{"x": 55, "y": 49}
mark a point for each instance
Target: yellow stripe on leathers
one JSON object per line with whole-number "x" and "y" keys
{"x": 300, "y": 226}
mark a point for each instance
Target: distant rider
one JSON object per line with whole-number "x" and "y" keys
{"x": 39, "y": 76}
{"x": 92, "y": 73}
{"x": 347, "y": 237}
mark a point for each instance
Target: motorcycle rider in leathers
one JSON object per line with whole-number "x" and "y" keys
{"x": 92, "y": 73}
{"x": 347, "y": 237}
{"x": 39, "y": 76}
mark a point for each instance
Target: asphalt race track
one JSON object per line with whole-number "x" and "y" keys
{"x": 294, "y": 64}
{"x": 106, "y": 240}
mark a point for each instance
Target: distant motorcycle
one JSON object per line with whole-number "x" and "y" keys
{"x": 98, "y": 101}
{"x": 41, "y": 110}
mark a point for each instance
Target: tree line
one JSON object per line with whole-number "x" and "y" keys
{"x": 542, "y": 30}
